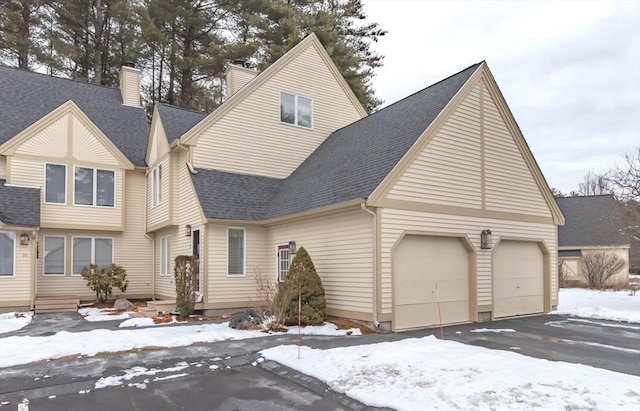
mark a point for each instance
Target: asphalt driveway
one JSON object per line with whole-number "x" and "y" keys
{"x": 603, "y": 344}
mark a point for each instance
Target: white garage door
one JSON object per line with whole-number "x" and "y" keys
{"x": 518, "y": 279}
{"x": 419, "y": 262}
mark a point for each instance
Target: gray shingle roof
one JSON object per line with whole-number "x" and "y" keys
{"x": 348, "y": 165}
{"x": 19, "y": 205}
{"x": 177, "y": 121}
{"x": 591, "y": 221}
{"x": 569, "y": 253}
{"x": 26, "y": 97}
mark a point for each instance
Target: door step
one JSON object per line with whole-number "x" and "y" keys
{"x": 56, "y": 304}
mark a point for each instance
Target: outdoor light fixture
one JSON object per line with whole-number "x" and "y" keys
{"x": 187, "y": 230}
{"x": 24, "y": 239}
{"x": 485, "y": 239}
{"x": 292, "y": 247}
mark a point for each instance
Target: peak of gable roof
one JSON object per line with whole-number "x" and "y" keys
{"x": 177, "y": 121}
{"x": 591, "y": 221}
{"x": 26, "y": 97}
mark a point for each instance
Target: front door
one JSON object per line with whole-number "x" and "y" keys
{"x": 196, "y": 250}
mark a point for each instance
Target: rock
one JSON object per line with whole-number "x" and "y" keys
{"x": 122, "y": 304}
{"x": 246, "y": 320}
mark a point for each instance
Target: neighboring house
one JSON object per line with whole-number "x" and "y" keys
{"x": 390, "y": 206}
{"x": 593, "y": 224}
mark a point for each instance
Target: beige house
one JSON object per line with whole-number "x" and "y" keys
{"x": 594, "y": 225}
{"x": 390, "y": 206}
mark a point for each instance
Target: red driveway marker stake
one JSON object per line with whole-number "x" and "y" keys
{"x": 299, "y": 321}
{"x": 439, "y": 313}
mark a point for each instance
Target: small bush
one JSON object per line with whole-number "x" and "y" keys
{"x": 599, "y": 267}
{"x": 303, "y": 278}
{"x": 186, "y": 274}
{"x": 102, "y": 280}
{"x": 276, "y": 297}
{"x": 563, "y": 273}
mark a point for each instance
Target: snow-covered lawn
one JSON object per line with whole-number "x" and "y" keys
{"x": 25, "y": 349}
{"x": 602, "y": 305}
{"x": 427, "y": 373}
{"x": 14, "y": 321}
{"x": 102, "y": 314}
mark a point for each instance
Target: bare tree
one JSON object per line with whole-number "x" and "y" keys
{"x": 594, "y": 184}
{"x": 563, "y": 273}
{"x": 599, "y": 267}
{"x": 625, "y": 178}
{"x": 275, "y": 298}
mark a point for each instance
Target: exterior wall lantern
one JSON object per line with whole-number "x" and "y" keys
{"x": 292, "y": 247}
{"x": 485, "y": 240}
{"x": 187, "y": 230}
{"x": 24, "y": 239}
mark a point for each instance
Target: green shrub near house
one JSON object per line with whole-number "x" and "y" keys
{"x": 102, "y": 280}
{"x": 303, "y": 278}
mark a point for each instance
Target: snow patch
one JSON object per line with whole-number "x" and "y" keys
{"x": 602, "y": 305}
{"x": 493, "y": 330}
{"x": 13, "y": 321}
{"x": 101, "y": 314}
{"x": 324, "y": 329}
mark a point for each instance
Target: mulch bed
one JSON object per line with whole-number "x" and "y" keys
{"x": 344, "y": 324}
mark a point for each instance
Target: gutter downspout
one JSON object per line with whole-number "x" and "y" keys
{"x": 375, "y": 263}
{"x": 34, "y": 261}
{"x": 150, "y": 238}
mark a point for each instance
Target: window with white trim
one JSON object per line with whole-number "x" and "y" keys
{"x": 94, "y": 187}
{"x": 156, "y": 187}
{"x": 284, "y": 261}
{"x": 236, "y": 251}
{"x": 54, "y": 255}
{"x": 7, "y": 253}
{"x": 55, "y": 183}
{"x": 296, "y": 110}
{"x": 165, "y": 256}
{"x": 91, "y": 250}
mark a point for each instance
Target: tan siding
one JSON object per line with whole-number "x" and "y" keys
{"x": 159, "y": 145}
{"x": 165, "y": 285}
{"x": 237, "y": 78}
{"x": 448, "y": 170}
{"x": 160, "y": 213}
{"x": 229, "y": 289}
{"x": 31, "y": 172}
{"x": 509, "y": 183}
{"x": 3, "y": 167}
{"x": 576, "y": 273}
{"x": 130, "y": 86}
{"x": 49, "y": 142}
{"x": 341, "y": 247}
{"x": 395, "y": 222}
{"x": 132, "y": 249}
{"x": 16, "y": 290}
{"x": 87, "y": 147}
{"x": 265, "y": 146}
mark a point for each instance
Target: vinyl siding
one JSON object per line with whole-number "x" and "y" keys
{"x": 237, "y": 78}
{"x": 341, "y": 246}
{"x": 509, "y": 184}
{"x": 160, "y": 213}
{"x": 130, "y": 86}
{"x": 32, "y": 172}
{"x": 49, "y": 142}
{"x": 3, "y": 167}
{"x": 16, "y": 291}
{"x": 165, "y": 285}
{"x": 132, "y": 250}
{"x": 159, "y": 145}
{"x": 263, "y": 145}
{"x": 448, "y": 170}
{"x": 394, "y": 222}
{"x": 225, "y": 289}
{"x": 87, "y": 147}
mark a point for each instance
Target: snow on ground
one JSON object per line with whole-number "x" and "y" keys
{"x": 143, "y": 322}
{"x": 493, "y": 330}
{"x": 602, "y": 305}
{"x": 101, "y": 314}
{"x": 25, "y": 349}
{"x": 324, "y": 329}
{"x": 446, "y": 375}
{"x": 14, "y": 321}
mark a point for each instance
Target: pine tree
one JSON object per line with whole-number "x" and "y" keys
{"x": 19, "y": 32}
{"x": 302, "y": 278}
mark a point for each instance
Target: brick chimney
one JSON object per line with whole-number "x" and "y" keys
{"x": 237, "y": 76}
{"x": 130, "y": 84}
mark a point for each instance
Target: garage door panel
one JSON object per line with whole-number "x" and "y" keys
{"x": 518, "y": 279}
{"x": 419, "y": 262}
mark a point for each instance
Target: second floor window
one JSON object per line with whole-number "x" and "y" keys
{"x": 296, "y": 110}
{"x": 94, "y": 187}
{"x": 157, "y": 185}
{"x": 55, "y": 183}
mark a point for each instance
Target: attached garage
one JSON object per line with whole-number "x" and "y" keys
{"x": 420, "y": 265}
{"x": 518, "y": 278}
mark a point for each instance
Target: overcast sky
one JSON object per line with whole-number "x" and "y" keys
{"x": 570, "y": 71}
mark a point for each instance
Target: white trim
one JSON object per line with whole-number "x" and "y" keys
{"x": 156, "y": 186}
{"x": 199, "y": 229}
{"x": 165, "y": 249}
{"x": 244, "y": 252}
{"x": 64, "y": 255}
{"x": 295, "y": 110}
{"x": 22, "y": 185}
{"x": 95, "y": 187}
{"x": 278, "y": 260}
{"x": 44, "y": 199}
{"x": 13, "y": 275}
{"x": 92, "y": 258}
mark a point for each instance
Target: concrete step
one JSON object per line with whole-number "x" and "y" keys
{"x": 56, "y": 304}
{"x": 162, "y": 305}
{"x": 147, "y": 312}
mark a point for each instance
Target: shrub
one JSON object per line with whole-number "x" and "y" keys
{"x": 303, "y": 278}
{"x": 563, "y": 273}
{"x": 186, "y": 275}
{"x": 102, "y": 280}
{"x": 599, "y": 267}
{"x": 276, "y": 299}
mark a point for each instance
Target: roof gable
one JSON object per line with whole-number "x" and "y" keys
{"x": 591, "y": 221}
{"x": 177, "y": 121}
{"x": 27, "y": 97}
